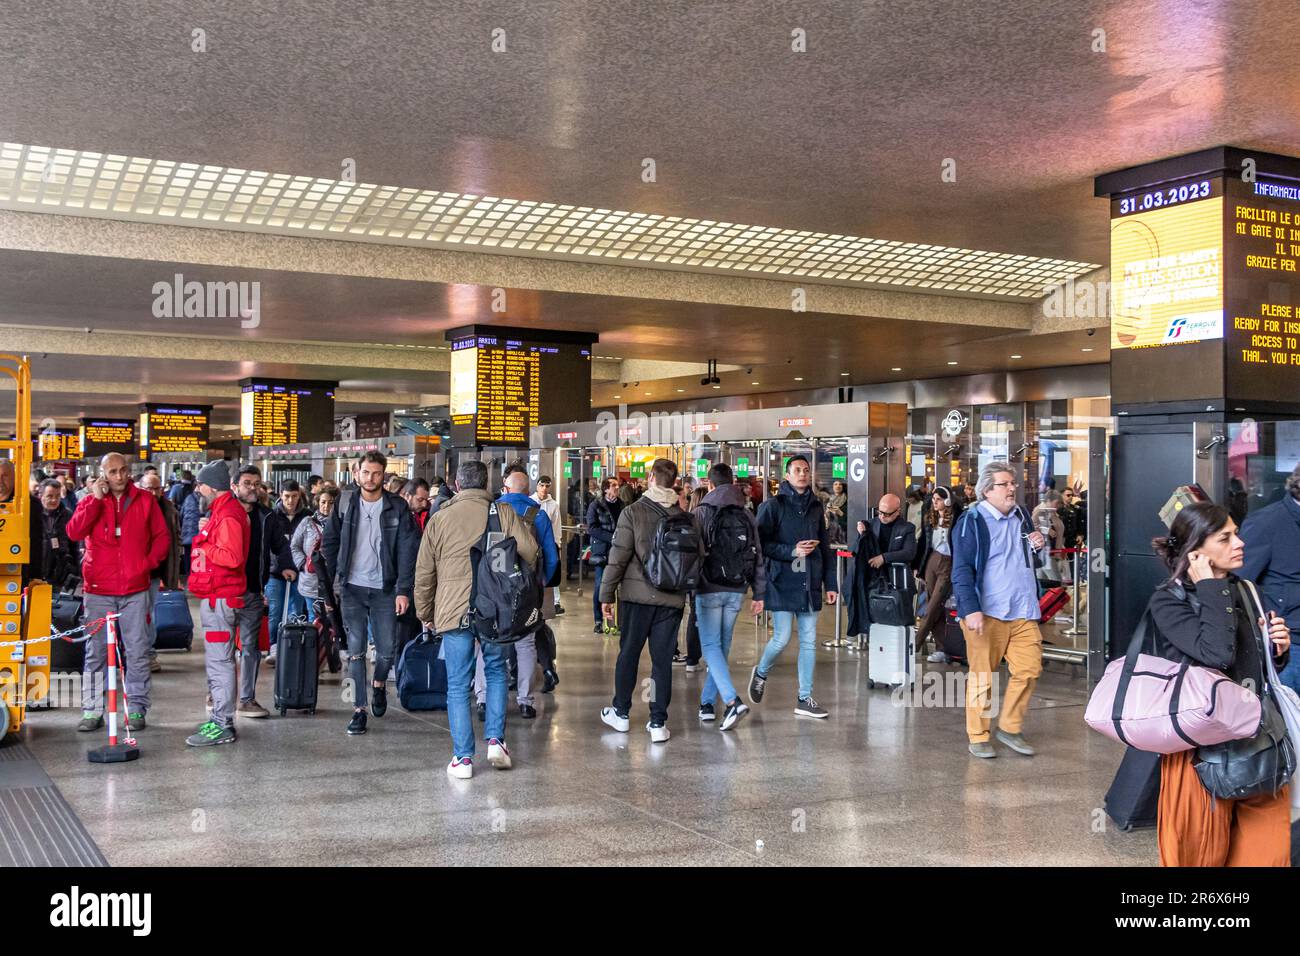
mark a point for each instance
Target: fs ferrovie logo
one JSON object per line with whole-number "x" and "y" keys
{"x": 77, "y": 909}
{"x": 1176, "y": 328}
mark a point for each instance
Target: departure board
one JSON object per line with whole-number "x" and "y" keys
{"x": 1262, "y": 223}
{"x": 285, "y": 412}
{"x": 174, "y": 428}
{"x": 60, "y": 446}
{"x": 505, "y": 382}
{"x": 101, "y": 436}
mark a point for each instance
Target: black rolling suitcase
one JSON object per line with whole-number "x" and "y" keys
{"x": 952, "y": 640}
{"x": 1134, "y": 796}
{"x": 66, "y": 612}
{"x": 297, "y": 665}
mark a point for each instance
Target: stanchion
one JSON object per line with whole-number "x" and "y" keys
{"x": 839, "y": 605}
{"x": 1074, "y": 629}
{"x": 114, "y": 752}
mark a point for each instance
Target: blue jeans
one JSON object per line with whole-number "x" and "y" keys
{"x": 458, "y": 652}
{"x": 716, "y": 615}
{"x": 1290, "y": 675}
{"x": 595, "y": 594}
{"x": 781, "y": 626}
{"x": 275, "y": 591}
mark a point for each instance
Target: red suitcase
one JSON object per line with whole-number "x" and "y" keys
{"x": 1051, "y": 603}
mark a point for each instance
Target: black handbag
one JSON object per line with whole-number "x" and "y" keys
{"x": 1262, "y": 764}
{"x": 889, "y": 606}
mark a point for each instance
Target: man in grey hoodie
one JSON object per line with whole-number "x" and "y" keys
{"x": 733, "y": 563}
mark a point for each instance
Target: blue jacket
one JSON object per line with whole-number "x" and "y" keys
{"x": 970, "y": 552}
{"x": 782, "y": 522}
{"x": 1272, "y": 536}
{"x": 190, "y": 513}
{"x": 541, "y": 528}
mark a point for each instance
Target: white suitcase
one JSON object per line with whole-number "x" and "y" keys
{"x": 891, "y": 656}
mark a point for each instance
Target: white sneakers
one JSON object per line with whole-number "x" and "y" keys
{"x": 498, "y": 755}
{"x": 658, "y": 734}
{"x": 938, "y": 657}
{"x": 610, "y": 716}
{"x": 462, "y": 768}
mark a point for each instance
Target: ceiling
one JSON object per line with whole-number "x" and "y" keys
{"x": 848, "y": 137}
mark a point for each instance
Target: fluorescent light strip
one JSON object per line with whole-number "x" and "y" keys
{"x": 78, "y": 182}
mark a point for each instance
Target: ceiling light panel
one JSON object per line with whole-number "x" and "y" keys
{"x": 76, "y": 182}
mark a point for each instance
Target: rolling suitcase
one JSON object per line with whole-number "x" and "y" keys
{"x": 67, "y": 613}
{"x": 422, "y": 674}
{"x": 172, "y": 623}
{"x": 1134, "y": 796}
{"x": 892, "y": 651}
{"x": 1051, "y": 602}
{"x": 297, "y": 665}
{"x": 952, "y": 640}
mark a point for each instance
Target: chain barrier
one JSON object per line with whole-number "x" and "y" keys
{"x": 91, "y": 628}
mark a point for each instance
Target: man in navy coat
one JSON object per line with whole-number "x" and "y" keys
{"x": 1272, "y": 536}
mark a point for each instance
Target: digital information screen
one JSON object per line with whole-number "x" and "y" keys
{"x": 502, "y": 385}
{"x": 100, "y": 436}
{"x": 286, "y": 413}
{"x": 60, "y": 446}
{"x": 174, "y": 428}
{"x": 1262, "y": 224}
{"x": 1166, "y": 265}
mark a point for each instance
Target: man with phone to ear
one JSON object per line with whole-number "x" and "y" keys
{"x": 125, "y": 538}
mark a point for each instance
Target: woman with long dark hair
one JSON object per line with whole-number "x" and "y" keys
{"x": 935, "y": 562}
{"x": 1199, "y": 614}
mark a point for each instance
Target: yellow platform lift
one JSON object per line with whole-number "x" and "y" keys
{"x": 24, "y": 668}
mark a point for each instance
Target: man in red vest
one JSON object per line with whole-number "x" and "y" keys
{"x": 219, "y": 579}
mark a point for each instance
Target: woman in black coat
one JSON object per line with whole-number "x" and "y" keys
{"x": 1199, "y": 613}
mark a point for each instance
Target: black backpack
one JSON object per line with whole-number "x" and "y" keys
{"x": 732, "y": 548}
{"x": 505, "y": 599}
{"x": 673, "y": 563}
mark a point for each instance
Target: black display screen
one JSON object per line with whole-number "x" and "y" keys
{"x": 285, "y": 412}
{"x": 174, "y": 428}
{"x": 100, "y": 436}
{"x": 502, "y": 385}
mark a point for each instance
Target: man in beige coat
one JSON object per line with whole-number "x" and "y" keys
{"x": 443, "y": 579}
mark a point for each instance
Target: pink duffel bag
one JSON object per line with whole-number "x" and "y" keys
{"x": 1163, "y": 707}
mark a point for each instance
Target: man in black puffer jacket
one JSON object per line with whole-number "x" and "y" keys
{"x": 799, "y": 565}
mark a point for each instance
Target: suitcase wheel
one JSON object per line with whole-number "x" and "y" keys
{"x": 283, "y": 711}
{"x": 871, "y": 684}
{"x": 311, "y": 710}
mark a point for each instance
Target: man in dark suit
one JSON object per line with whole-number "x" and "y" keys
{"x": 1272, "y": 536}
{"x": 890, "y": 539}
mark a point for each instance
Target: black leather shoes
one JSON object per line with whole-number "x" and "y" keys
{"x": 379, "y": 701}
{"x": 357, "y": 725}
{"x": 549, "y": 680}
{"x": 527, "y": 711}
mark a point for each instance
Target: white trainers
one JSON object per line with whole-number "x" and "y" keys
{"x": 938, "y": 657}
{"x": 610, "y": 716}
{"x": 658, "y": 733}
{"x": 498, "y": 755}
{"x": 462, "y": 768}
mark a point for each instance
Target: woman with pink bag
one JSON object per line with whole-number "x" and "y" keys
{"x": 1201, "y": 614}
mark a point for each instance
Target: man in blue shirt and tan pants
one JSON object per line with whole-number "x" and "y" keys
{"x": 993, "y": 563}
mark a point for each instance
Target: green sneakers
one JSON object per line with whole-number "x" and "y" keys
{"x": 211, "y": 733}
{"x": 90, "y": 721}
{"x": 136, "y": 721}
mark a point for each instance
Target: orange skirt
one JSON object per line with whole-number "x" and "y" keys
{"x": 1197, "y": 829}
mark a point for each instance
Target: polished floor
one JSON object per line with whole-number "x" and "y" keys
{"x": 876, "y": 783}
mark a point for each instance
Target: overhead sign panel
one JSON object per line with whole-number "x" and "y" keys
{"x": 102, "y": 436}
{"x": 280, "y": 412}
{"x": 173, "y": 428}
{"x": 505, "y": 381}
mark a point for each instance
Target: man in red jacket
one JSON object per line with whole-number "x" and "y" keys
{"x": 125, "y": 538}
{"x": 218, "y": 578}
